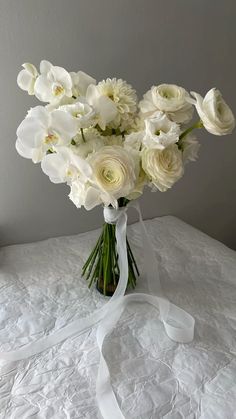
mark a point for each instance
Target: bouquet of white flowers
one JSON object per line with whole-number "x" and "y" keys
{"x": 107, "y": 147}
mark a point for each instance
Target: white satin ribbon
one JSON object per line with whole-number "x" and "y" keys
{"x": 178, "y": 324}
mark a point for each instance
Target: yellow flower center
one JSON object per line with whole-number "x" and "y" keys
{"x": 108, "y": 175}
{"x": 58, "y": 90}
{"x": 51, "y": 139}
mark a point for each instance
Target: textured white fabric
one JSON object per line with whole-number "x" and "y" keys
{"x": 152, "y": 377}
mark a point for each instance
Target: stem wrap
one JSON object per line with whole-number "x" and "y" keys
{"x": 178, "y": 324}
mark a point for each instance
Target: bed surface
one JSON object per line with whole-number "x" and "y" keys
{"x": 41, "y": 290}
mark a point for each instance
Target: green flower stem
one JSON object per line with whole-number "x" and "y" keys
{"x": 102, "y": 264}
{"x": 197, "y": 124}
{"x": 82, "y": 134}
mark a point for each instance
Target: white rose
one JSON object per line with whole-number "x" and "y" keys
{"x": 53, "y": 84}
{"x": 27, "y": 77}
{"x": 169, "y": 98}
{"x": 160, "y": 131}
{"x": 215, "y": 114}
{"x": 163, "y": 167}
{"x": 114, "y": 171}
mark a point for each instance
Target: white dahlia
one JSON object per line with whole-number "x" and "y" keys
{"x": 125, "y": 99}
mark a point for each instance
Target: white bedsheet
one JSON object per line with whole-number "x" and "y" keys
{"x": 41, "y": 290}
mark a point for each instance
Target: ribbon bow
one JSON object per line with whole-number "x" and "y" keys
{"x": 178, "y": 324}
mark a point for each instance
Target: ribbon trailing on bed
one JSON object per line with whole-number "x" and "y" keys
{"x": 178, "y": 324}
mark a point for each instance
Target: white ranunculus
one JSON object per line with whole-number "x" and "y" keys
{"x": 27, "y": 77}
{"x": 80, "y": 83}
{"x": 104, "y": 107}
{"x": 168, "y": 98}
{"x": 115, "y": 172}
{"x": 163, "y": 167}
{"x": 41, "y": 131}
{"x": 160, "y": 131}
{"x": 190, "y": 148}
{"x": 53, "y": 84}
{"x": 65, "y": 166}
{"x": 215, "y": 114}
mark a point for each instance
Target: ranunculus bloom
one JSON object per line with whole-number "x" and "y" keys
{"x": 160, "y": 131}
{"x": 169, "y": 98}
{"x": 114, "y": 171}
{"x": 163, "y": 167}
{"x": 27, "y": 77}
{"x": 215, "y": 114}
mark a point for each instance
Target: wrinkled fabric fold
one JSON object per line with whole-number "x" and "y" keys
{"x": 178, "y": 324}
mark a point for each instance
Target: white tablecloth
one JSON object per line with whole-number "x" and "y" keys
{"x": 41, "y": 290}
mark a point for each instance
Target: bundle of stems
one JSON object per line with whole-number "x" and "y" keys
{"x": 102, "y": 264}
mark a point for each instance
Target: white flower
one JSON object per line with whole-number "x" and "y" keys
{"x": 190, "y": 148}
{"x": 87, "y": 195}
{"x": 139, "y": 185}
{"x": 134, "y": 140}
{"x": 41, "y": 131}
{"x": 27, "y": 77}
{"x": 113, "y": 140}
{"x": 65, "y": 166}
{"x": 169, "y": 98}
{"x": 215, "y": 114}
{"x": 82, "y": 112}
{"x": 92, "y": 145}
{"x": 125, "y": 99}
{"x": 160, "y": 131}
{"x": 53, "y": 84}
{"x": 104, "y": 107}
{"x": 80, "y": 83}
{"x": 114, "y": 172}
{"x": 163, "y": 167}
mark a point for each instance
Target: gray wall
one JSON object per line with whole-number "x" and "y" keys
{"x": 187, "y": 42}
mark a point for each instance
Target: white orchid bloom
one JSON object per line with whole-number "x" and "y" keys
{"x": 160, "y": 131}
{"x": 53, "y": 84}
{"x": 27, "y": 77}
{"x": 104, "y": 107}
{"x": 66, "y": 166}
{"x": 42, "y": 130}
{"x": 80, "y": 83}
{"x": 82, "y": 112}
